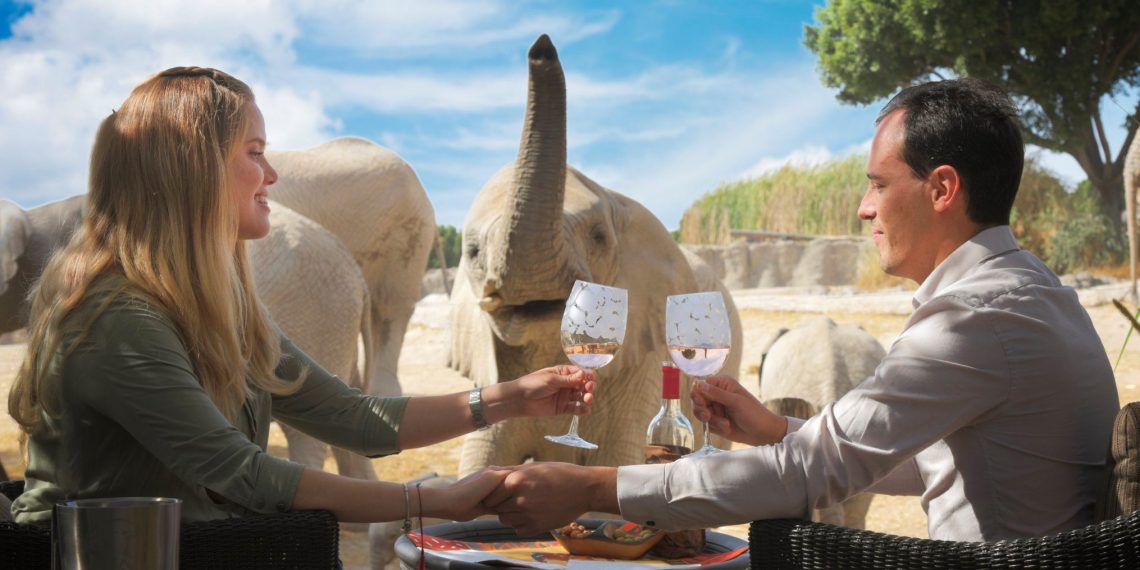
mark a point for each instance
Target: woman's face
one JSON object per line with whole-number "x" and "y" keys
{"x": 250, "y": 178}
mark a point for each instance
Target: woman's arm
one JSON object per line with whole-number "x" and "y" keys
{"x": 547, "y": 392}
{"x": 358, "y": 500}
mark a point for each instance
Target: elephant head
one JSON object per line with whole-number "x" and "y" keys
{"x": 536, "y": 227}
{"x": 27, "y": 241}
{"x": 15, "y": 228}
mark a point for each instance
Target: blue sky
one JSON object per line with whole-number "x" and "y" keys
{"x": 666, "y": 99}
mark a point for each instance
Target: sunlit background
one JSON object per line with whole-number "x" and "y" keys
{"x": 666, "y": 99}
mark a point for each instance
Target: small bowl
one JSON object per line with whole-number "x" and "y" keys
{"x": 617, "y": 539}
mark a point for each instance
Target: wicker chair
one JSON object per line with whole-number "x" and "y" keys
{"x": 301, "y": 540}
{"x": 780, "y": 544}
{"x": 1115, "y": 543}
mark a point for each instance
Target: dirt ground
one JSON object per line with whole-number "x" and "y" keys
{"x": 762, "y": 312}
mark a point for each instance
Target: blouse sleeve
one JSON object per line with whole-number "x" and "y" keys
{"x": 329, "y": 410}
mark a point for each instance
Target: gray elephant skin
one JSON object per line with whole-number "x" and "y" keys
{"x": 27, "y": 240}
{"x": 810, "y": 366}
{"x": 534, "y": 228}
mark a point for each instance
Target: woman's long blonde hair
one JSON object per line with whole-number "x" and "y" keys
{"x": 160, "y": 212}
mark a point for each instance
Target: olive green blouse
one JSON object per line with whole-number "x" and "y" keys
{"x": 133, "y": 420}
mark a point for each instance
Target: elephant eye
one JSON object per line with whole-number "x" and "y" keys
{"x": 598, "y": 234}
{"x": 473, "y": 251}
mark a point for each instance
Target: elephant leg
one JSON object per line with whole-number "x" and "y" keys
{"x": 511, "y": 443}
{"x": 353, "y": 465}
{"x": 855, "y": 510}
{"x": 304, "y": 449}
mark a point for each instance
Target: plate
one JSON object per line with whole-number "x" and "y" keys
{"x": 614, "y": 539}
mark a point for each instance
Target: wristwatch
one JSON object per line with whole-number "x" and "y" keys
{"x": 475, "y": 402}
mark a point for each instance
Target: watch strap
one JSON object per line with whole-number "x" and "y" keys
{"x": 475, "y": 402}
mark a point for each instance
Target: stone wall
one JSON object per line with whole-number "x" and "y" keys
{"x": 824, "y": 261}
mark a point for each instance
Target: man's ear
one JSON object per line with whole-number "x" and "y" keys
{"x": 946, "y": 188}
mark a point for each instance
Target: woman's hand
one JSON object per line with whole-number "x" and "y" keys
{"x": 731, "y": 411}
{"x": 547, "y": 392}
{"x": 462, "y": 500}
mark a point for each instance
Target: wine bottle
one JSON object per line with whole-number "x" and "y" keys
{"x": 668, "y": 438}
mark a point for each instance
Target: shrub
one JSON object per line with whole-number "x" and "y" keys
{"x": 451, "y": 240}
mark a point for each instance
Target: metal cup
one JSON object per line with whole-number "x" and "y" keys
{"x": 127, "y": 533}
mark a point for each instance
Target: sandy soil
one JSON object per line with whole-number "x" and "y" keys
{"x": 762, "y": 312}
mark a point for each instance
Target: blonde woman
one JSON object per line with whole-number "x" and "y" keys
{"x": 154, "y": 370}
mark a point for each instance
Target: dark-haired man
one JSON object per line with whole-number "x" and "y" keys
{"x": 994, "y": 403}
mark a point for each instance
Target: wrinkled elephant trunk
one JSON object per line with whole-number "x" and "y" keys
{"x": 535, "y": 264}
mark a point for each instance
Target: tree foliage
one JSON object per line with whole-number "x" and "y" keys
{"x": 1056, "y": 58}
{"x": 450, "y": 239}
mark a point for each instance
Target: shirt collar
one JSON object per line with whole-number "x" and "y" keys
{"x": 984, "y": 245}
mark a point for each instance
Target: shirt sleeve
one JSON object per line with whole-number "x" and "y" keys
{"x": 133, "y": 368}
{"x": 328, "y": 409}
{"x": 902, "y": 480}
{"x": 945, "y": 371}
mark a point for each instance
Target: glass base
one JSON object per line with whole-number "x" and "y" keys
{"x": 572, "y": 440}
{"x": 706, "y": 451}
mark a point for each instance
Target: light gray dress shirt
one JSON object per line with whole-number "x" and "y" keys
{"x": 995, "y": 404}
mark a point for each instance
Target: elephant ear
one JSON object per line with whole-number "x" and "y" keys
{"x": 15, "y": 230}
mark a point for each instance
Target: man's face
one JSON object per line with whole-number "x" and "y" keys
{"x": 898, "y": 204}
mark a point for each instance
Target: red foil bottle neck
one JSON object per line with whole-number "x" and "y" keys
{"x": 670, "y": 382}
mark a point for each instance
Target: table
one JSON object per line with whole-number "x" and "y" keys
{"x": 491, "y": 530}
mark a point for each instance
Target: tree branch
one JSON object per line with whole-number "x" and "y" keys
{"x": 1100, "y": 133}
{"x": 1109, "y": 77}
{"x": 1119, "y": 162}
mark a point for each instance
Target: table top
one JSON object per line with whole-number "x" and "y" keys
{"x": 492, "y": 531}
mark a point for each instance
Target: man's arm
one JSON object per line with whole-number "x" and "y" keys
{"x": 942, "y": 374}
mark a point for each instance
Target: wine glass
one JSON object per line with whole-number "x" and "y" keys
{"x": 593, "y": 327}
{"x": 699, "y": 338}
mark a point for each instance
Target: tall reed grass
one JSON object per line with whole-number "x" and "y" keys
{"x": 1064, "y": 228}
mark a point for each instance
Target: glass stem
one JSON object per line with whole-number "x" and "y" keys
{"x": 704, "y": 434}
{"x": 574, "y": 423}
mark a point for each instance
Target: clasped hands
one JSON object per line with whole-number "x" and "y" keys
{"x": 540, "y": 496}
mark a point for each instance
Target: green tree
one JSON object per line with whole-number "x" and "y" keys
{"x": 1056, "y": 58}
{"x": 450, "y": 238}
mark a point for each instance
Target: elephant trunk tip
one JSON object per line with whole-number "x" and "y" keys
{"x": 542, "y": 50}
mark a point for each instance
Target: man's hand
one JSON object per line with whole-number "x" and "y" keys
{"x": 537, "y": 497}
{"x": 731, "y": 411}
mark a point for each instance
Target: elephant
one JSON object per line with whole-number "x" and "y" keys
{"x": 534, "y": 228}
{"x": 371, "y": 200}
{"x": 307, "y": 279}
{"x": 1131, "y": 186}
{"x": 809, "y": 366}
{"x": 28, "y": 238}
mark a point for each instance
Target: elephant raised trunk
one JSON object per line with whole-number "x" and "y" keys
{"x": 534, "y": 266}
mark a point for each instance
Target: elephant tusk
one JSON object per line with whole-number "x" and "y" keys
{"x": 490, "y": 303}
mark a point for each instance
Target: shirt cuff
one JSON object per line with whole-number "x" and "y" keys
{"x": 794, "y": 425}
{"x": 277, "y": 481}
{"x": 641, "y": 492}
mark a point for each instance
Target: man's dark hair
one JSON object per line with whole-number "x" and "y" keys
{"x": 971, "y": 125}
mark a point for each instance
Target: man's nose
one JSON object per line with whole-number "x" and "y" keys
{"x": 867, "y": 205}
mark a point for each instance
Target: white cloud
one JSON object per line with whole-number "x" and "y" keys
{"x": 411, "y": 28}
